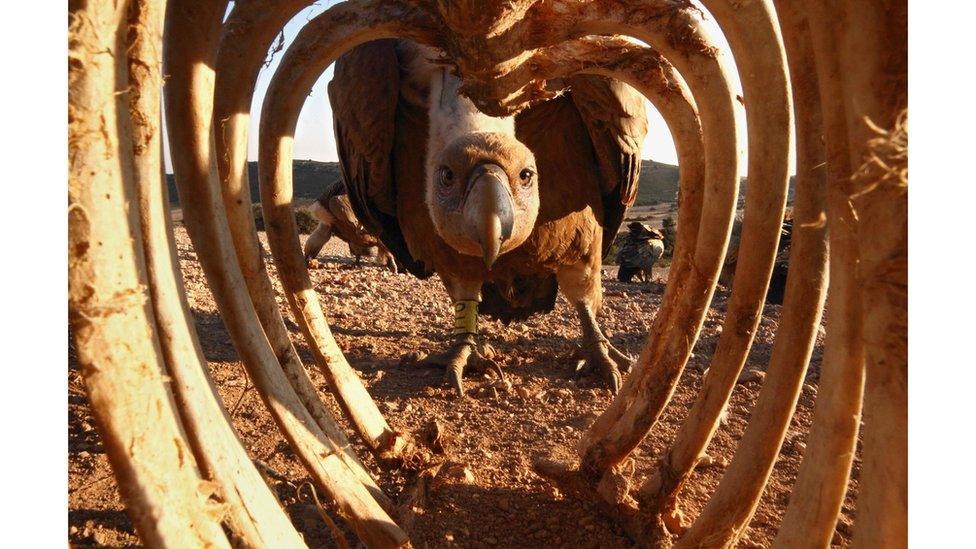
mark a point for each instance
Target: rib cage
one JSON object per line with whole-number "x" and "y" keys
{"x": 839, "y": 68}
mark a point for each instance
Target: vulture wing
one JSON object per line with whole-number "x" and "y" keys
{"x": 616, "y": 121}
{"x": 346, "y": 225}
{"x": 364, "y": 93}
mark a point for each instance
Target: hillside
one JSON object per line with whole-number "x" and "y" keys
{"x": 658, "y": 184}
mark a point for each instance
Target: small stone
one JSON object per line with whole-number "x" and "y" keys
{"x": 449, "y": 536}
{"x": 707, "y": 461}
{"x": 458, "y": 473}
{"x": 502, "y": 385}
{"x": 751, "y": 376}
{"x": 379, "y": 375}
{"x": 523, "y": 392}
{"x": 73, "y": 531}
{"x": 102, "y": 537}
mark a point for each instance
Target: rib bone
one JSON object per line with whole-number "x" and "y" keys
{"x": 874, "y": 61}
{"x": 728, "y": 511}
{"x": 345, "y": 25}
{"x": 822, "y": 478}
{"x": 754, "y": 37}
{"x": 189, "y": 51}
{"x": 254, "y": 514}
{"x": 244, "y": 43}
{"x": 110, "y": 317}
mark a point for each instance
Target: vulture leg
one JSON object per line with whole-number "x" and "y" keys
{"x": 319, "y": 238}
{"x": 581, "y": 284}
{"x": 464, "y": 349}
{"x": 384, "y": 257}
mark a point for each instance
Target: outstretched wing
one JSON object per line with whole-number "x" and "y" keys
{"x": 364, "y": 93}
{"x": 616, "y": 120}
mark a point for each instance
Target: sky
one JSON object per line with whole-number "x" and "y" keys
{"x": 314, "y": 139}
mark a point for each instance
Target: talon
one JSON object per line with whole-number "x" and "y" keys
{"x": 603, "y": 359}
{"x": 624, "y": 362}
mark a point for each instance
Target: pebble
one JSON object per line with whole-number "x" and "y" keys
{"x": 751, "y": 376}
{"x": 711, "y": 461}
{"x": 502, "y": 385}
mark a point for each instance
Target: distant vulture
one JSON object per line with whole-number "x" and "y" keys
{"x": 505, "y": 210}
{"x": 336, "y": 218}
{"x": 639, "y": 250}
{"x": 777, "y": 282}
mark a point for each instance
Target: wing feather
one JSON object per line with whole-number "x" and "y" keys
{"x": 364, "y": 93}
{"x": 616, "y": 120}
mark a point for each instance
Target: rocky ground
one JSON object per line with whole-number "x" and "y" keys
{"x": 491, "y": 497}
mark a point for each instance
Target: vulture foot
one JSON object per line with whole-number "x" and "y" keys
{"x": 601, "y": 358}
{"x": 463, "y": 353}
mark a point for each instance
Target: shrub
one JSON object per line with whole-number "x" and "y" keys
{"x": 306, "y": 223}
{"x": 670, "y": 233}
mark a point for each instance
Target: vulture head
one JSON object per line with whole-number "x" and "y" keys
{"x": 482, "y": 186}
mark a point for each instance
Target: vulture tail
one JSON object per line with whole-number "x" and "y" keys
{"x": 519, "y": 298}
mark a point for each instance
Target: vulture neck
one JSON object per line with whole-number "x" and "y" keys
{"x": 453, "y": 115}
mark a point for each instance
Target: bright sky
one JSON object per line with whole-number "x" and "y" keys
{"x": 314, "y": 138}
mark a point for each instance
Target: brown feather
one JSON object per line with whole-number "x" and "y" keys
{"x": 616, "y": 120}
{"x": 587, "y": 152}
{"x": 364, "y": 93}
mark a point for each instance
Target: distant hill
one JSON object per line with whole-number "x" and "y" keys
{"x": 658, "y": 182}
{"x": 309, "y": 178}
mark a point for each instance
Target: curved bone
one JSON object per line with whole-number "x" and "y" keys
{"x": 345, "y": 25}
{"x": 254, "y": 514}
{"x": 873, "y": 56}
{"x": 728, "y": 511}
{"x": 754, "y": 37}
{"x": 292, "y": 82}
{"x": 244, "y": 44}
{"x": 653, "y": 76}
{"x": 109, "y": 315}
{"x": 189, "y": 50}
{"x": 822, "y": 479}
{"x": 648, "y": 388}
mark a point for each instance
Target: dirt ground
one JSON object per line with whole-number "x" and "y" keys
{"x": 378, "y": 317}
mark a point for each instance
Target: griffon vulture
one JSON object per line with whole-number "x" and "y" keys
{"x": 506, "y": 210}
{"x": 336, "y": 218}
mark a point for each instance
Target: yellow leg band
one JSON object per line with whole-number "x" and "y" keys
{"x": 465, "y": 317}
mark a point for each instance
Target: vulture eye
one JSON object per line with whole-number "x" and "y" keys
{"x": 526, "y": 175}
{"x": 445, "y": 176}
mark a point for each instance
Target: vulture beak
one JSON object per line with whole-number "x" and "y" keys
{"x": 489, "y": 213}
